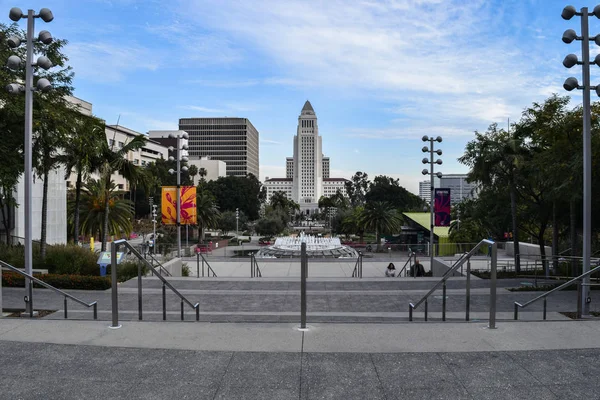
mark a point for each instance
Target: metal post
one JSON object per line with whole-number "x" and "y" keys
{"x": 182, "y": 309}
{"x": 516, "y": 312}
{"x": 431, "y": 236}
{"x": 198, "y": 265}
{"x": 113, "y": 277}
{"x": 492, "y": 324}
{"x": 178, "y": 198}
{"x": 587, "y": 159}
{"x": 139, "y": 291}
{"x": 303, "y": 268}
{"x": 65, "y": 307}
{"x": 202, "y": 266}
{"x": 30, "y": 302}
{"x": 468, "y": 299}
{"x": 579, "y": 303}
{"x": 410, "y": 311}
{"x": 545, "y": 308}
{"x": 28, "y": 174}
{"x": 164, "y": 301}
{"x": 197, "y": 312}
{"x": 95, "y": 310}
{"x": 426, "y": 303}
{"x": 444, "y": 301}
{"x": 154, "y": 223}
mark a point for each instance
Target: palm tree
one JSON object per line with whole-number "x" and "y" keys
{"x": 93, "y": 212}
{"x": 208, "y": 213}
{"x": 192, "y": 172}
{"x": 115, "y": 161}
{"x": 382, "y": 218}
{"x": 81, "y": 156}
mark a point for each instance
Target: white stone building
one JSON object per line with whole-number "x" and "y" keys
{"x": 214, "y": 168}
{"x": 307, "y": 172}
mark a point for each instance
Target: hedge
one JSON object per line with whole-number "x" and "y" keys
{"x": 79, "y": 282}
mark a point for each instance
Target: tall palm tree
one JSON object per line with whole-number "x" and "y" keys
{"x": 208, "y": 213}
{"x": 114, "y": 160}
{"x": 382, "y": 218}
{"x": 81, "y": 156}
{"x": 192, "y": 172}
{"x": 92, "y": 209}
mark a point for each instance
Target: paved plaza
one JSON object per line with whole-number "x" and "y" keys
{"x": 153, "y": 360}
{"x": 248, "y": 345}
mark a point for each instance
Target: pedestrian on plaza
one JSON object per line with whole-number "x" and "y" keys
{"x": 417, "y": 269}
{"x": 390, "y": 271}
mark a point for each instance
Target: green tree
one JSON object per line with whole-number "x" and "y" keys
{"x": 233, "y": 192}
{"x": 81, "y": 156}
{"x": 388, "y": 190}
{"x": 192, "y": 172}
{"x": 115, "y": 161}
{"x": 208, "y": 213}
{"x": 382, "y": 218}
{"x": 357, "y": 188}
{"x": 93, "y": 216}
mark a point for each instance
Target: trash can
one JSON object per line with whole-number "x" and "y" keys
{"x": 102, "y": 269}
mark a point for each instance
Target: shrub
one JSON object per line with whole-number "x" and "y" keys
{"x": 71, "y": 260}
{"x": 79, "y": 282}
{"x": 127, "y": 270}
{"x": 185, "y": 270}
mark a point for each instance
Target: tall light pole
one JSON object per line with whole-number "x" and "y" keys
{"x": 180, "y": 159}
{"x": 14, "y": 63}
{"x": 570, "y": 84}
{"x": 431, "y": 163}
{"x": 237, "y": 219}
{"x": 154, "y": 222}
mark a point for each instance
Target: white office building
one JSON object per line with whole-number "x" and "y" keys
{"x": 307, "y": 172}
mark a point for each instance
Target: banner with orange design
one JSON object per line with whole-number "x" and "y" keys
{"x": 168, "y": 205}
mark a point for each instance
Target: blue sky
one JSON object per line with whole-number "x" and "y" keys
{"x": 379, "y": 74}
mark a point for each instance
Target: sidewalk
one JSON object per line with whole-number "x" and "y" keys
{"x": 45, "y": 359}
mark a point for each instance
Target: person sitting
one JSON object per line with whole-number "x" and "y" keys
{"x": 417, "y": 269}
{"x": 391, "y": 270}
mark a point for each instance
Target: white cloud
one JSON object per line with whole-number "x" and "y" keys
{"x": 268, "y": 141}
{"x": 433, "y": 52}
{"x": 102, "y": 62}
{"x": 203, "y": 109}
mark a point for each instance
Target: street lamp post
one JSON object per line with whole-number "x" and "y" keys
{"x": 431, "y": 163}
{"x": 154, "y": 234}
{"x": 237, "y": 220}
{"x": 570, "y": 84}
{"x": 15, "y": 62}
{"x": 178, "y": 171}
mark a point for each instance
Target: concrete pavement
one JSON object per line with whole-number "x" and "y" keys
{"x": 145, "y": 360}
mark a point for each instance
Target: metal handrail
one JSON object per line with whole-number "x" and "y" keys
{"x": 357, "y": 272}
{"x": 115, "y": 318}
{"x": 548, "y": 293}
{"x": 48, "y": 286}
{"x": 255, "y": 271}
{"x": 204, "y": 260}
{"x": 161, "y": 268}
{"x": 410, "y": 257}
{"x": 465, "y": 258}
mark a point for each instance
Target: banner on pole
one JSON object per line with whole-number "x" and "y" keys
{"x": 168, "y": 205}
{"x": 441, "y": 207}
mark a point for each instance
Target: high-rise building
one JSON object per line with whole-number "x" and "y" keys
{"x": 231, "y": 140}
{"x": 307, "y": 172}
{"x": 460, "y": 189}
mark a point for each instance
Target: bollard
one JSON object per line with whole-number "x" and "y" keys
{"x": 303, "y": 268}
{"x": 139, "y": 291}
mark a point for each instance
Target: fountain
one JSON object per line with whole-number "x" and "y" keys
{"x": 319, "y": 247}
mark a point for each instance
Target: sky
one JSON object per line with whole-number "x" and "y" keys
{"x": 379, "y": 74}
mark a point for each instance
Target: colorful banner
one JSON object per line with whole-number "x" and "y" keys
{"x": 441, "y": 207}
{"x": 168, "y": 205}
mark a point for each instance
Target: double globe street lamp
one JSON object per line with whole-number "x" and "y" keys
{"x": 179, "y": 168}
{"x": 431, "y": 163}
{"x": 43, "y": 85}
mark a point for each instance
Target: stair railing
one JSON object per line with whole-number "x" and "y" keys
{"x": 115, "y": 302}
{"x": 255, "y": 271}
{"x": 32, "y": 280}
{"x": 209, "y": 270}
{"x": 450, "y": 272}
{"x": 358, "y": 266}
{"x": 577, "y": 280}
